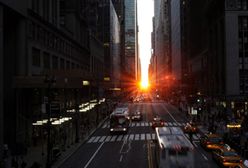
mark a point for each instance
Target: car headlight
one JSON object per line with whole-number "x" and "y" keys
{"x": 111, "y": 129}
{"x": 124, "y": 129}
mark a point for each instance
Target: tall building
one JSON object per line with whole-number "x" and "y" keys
{"x": 161, "y": 56}
{"x": 217, "y": 58}
{"x": 47, "y": 49}
{"x": 131, "y": 51}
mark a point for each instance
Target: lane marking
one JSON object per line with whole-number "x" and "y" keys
{"x": 204, "y": 156}
{"x": 121, "y": 158}
{"x": 92, "y": 157}
{"x": 169, "y": 113}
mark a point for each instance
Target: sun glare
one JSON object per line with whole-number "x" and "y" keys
{"x": 145, "y": 14}
{"x": 144, "y": 85}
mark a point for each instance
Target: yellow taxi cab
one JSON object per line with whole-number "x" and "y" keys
{"x": 211, "y": 141}
{"x": 190, "y": 127}
{"x": 227, "y": 157}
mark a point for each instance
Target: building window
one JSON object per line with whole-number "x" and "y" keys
{"x": 62, "y": 63}
{"x": 55, "y": 62}
{"x": 35, "y": 57}
{"x": 46, "y": 59}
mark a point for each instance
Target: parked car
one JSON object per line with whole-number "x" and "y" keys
{"x": 157, "y": 122}
{"x": 227, "y": 157}
{"x": 211, "y": 141}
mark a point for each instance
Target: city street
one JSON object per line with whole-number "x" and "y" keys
{"x": 110, "y": 151}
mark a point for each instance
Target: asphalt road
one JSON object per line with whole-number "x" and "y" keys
{"x": 131, "y": 150}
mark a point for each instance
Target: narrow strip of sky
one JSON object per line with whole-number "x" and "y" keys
{"x": 145, "y": 14}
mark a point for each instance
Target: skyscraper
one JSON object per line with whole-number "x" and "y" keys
{"x": 131, "y": 55}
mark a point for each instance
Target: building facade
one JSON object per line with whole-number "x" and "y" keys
{"x": 50, "y": 59}
{"x": 131, "y": 51}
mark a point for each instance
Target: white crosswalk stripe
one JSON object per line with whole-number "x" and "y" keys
{"x": 102, "y": 139}
{"x": 113, "y": 138}
{"x": 138, "y": 124}
{"x": 133, "y": 124}
{"x": 96, "y": 139}
{"x": 142, "y": 136}
{"x": 119, "y": 137}
{"x": 169, "y": 124}
{"x": 108, "y": 138}
{"x": 148, "y": 136}
{"x": 153, "y": 136}
{"x": 131, "y": 137}
{"x": 146, "y": 124}
{"x": 104, "y": 125}
{"x": 91, "y": 139}
{"x": 150, "y": 123}
{"x": 137, "y": 136}
{"x": 179, "y": 124}
{"x": 174, "y": 123}
{"x": 142, "y": 124}
{"x": 195, "y": 137}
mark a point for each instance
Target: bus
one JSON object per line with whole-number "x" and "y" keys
{"x": 120, "y": 120}
{"x": 173, "y": 149}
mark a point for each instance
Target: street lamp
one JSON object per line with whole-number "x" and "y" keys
{"x": 50, "y": 81}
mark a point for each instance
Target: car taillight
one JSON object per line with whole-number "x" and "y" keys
{"x": 162, "y": 123}
{"x": 241, "y": 161}
{"x": 224, "y": 160}
{"x": 207, "y": 142}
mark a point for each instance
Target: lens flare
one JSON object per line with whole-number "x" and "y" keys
{"x": 144, "y": 85}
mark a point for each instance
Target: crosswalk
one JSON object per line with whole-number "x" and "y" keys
{"x": 117, "y": 138}
{"x": 130, "y": 137}
{"x": 148, "y": 124}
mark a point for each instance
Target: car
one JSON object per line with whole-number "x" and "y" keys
{"x": 211, "y": 141}
{"x": 227, "y": 157}
{"x": 190, "y": 127}
{"x": 136, "y": 116}
{"x": 157, "y": 122}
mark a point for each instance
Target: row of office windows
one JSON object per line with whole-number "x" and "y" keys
{"x": 54, "y": 42}
{"x": 237, "y": 5}
{"x": 47, "y": 61}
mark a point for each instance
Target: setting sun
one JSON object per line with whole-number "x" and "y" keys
{"x": 144, "y": 85}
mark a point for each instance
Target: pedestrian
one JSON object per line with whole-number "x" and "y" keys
{"x": 190, "y": 136}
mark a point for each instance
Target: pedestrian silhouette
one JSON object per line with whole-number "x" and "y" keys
{"x": 190, "y": 136}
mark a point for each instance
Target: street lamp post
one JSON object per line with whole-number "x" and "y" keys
{"x": 49, "y": 81}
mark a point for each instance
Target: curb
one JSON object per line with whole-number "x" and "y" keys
{"x": 59, "y": 163}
